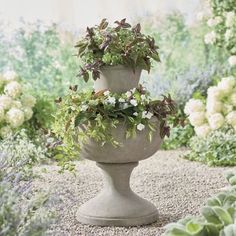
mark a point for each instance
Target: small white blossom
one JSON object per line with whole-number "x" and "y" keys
{"x": 111, "y": 100}
{"x": 133, "y": 90}
{"x": 147, "y": 114}
{"x": 84, "y": 107}
{"x": 216, "y": 121}
{"x": 28, "y": 100}
{"x": 125, "y": 105}
{"x": 140, "y": 127}
{"x": 203, "y": 130}
{"x": 143, "y": 97}
{"x": 106, "y": 93}
{"x": 226, "y": 85}
{"x": 28, "y": 113}
{"x": 121, "y": 100}
{"x": 135, "y": 113}
{"x": 231, "y": 118}
{"x": 128, "y": 94}
{"x": 197, "y": 118}
{"x": 133, "y": 102}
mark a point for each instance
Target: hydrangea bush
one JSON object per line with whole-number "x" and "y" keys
{"x": 218, "y": 110}
{"x": 223, "y": 27}
{"x": 15, "y": 105}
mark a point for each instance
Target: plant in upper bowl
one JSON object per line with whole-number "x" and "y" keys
{"x": 119, "y": 45}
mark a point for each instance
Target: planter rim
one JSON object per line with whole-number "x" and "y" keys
{"x": 118, "y": 67}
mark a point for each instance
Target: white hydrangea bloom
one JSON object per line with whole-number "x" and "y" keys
{"x": 111, "y": 100}
{"x": 121, "y": 100}
{"x": 140, "y": 127}
{"x": 16, "y": 104}
{"x": 28, "y": 100}
{"x": 213, "y": 106}
{"x": 1, "y": 114}
{"x": 228, "y": 34}
{"x": 216, "y": 121}
{"x": 10, "y": 76}
{"x": 231, "y": 118}
{"x": 13, "y": 89}
{"x": 203, "y": 130}
{"x": 15, "y": 117}
{"x": 210, "y": 38}
{"x": 214, "y": 92}
{"x": 227, "y": 108}
{"x": 229, "y": 19}
{"x": 197, "y": 118}
{"x": 133, "y": 102}
{"x": 227, "y": 84}
{"x": 214, "y": 21}
{"x": 5, "y": 131}
{"x": 5, "y": 101}
{"x": 194, "y": 105}
{"x": 28, "y": 113}
{"x": 232, "y": 99}
{"x": 232, "y": 60}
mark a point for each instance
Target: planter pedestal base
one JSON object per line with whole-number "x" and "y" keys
{"x": 117, "y": 204}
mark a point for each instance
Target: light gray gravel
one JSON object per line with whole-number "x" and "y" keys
{"x": 176, "y": 186}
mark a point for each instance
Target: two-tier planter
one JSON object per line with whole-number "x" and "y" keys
{"x": 117, "y": 204}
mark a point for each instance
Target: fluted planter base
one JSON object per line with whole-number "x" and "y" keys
{"x": 117, "y": 204}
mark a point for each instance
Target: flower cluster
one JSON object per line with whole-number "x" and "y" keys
{"x": 223, "y": 28}
{"x": 15, "y": 106}
{"x": 218, "y": 109}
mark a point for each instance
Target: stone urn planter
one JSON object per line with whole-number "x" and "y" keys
{"x": 117, "y": 204}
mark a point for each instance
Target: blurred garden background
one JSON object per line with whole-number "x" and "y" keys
{"x": 37, "y": 40}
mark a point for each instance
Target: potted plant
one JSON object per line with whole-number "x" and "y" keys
{"x": 115, "y": 125}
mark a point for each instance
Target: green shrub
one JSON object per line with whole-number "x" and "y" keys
{"x": 218, "y": 149}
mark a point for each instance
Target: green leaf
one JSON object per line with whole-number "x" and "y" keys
{"x": 210, "y": 215}
{"x": 224, "y": 216}
{"x": 229, "y": 230}
{"x": 194, "y": 227}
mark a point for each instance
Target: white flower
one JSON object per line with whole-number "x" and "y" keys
{"x": 10, "y": 76}
{"x": 133, "y": 102}
{"x": 28, "y": 113}
{"x": 106, "y": 93}
{"x": 203, "y": 130}
{"x": 28, "y": 100}
{"x": 210, "y": 38}
{"x": 128, "y": 94}
{"x": 194, "y": 105}
{"x": 13, "y": 89}
{"x": 147, "y": 115}
{"x": 228, "y": 34}
{"x": 125, "y": 105}
{"x": 5, "y": 102}
{"x": 226, "y": 85}
{"x": 1, "y": 114}
{"x": 197, "y": 118}
{"x": 121, "y": 100}
{"x": 143, "y": 97}
{"x": 214, "y": 21}
{"x": 5, "y": 131}
{"x": 111, "y": 100}
{"x": 84, "y": 108}
{"x": 140, "y": 127}
{"x": 229, "y": 19}
{"x": 15, "y": 117}
{"x": 135, "y": 113}
{"x": 232, "y": 99}
{"x": 231, "y": 118}
{"x": 213, "y": 106}
{"x": 227, "y": 108}
{"x": 232, "y": 60}
{"x": 216, "y": 121}
{"x": 133, "y": 90}
{"x": 16, "y": 104}
{"x": 214, "y": 92}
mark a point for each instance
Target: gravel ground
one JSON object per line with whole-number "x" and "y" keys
{"x": 176, "y": 186}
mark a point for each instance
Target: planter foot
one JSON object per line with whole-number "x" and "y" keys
{"x": 117, "y": 204}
